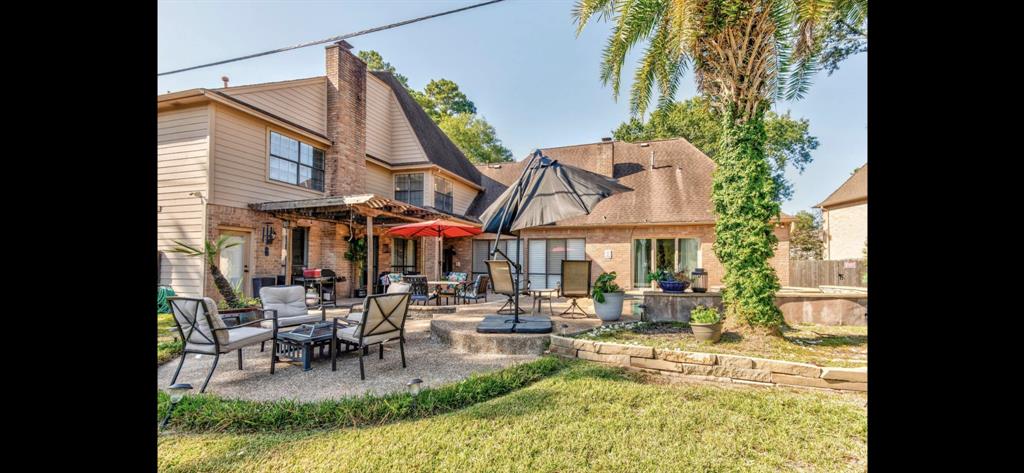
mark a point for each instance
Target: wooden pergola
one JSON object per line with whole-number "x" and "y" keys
{"x": 365, "y": 210}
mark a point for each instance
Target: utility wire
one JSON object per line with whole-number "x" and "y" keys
{"x": 332, "y": 39}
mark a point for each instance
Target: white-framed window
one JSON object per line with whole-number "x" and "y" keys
{"x": 295, "y": 162}
{"x": 443, "y": 193}
{"x": 544, "y": 259}
{"x": 409, "y": 188}
{"x": 664, "y": 254}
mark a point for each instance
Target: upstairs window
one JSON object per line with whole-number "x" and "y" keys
{"x": 295, "y": 162}
{"x": 409, "y": 188}
{"x": 443, "y": 194}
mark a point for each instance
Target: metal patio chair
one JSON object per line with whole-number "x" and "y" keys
{"x": 204, "y": 332}
{"x": 477, "y": 290}
{"x": 420, "y": 289}
{"x": 575, "y": 285}
{"x": 503, "y": 282}
{"x": 289, "y": 303}
{"x": 382, "y": 320}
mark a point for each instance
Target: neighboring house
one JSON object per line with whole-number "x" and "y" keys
{"x": 844, "y": 216}
{"x": 315, "y": 162}
{"x": 665, "y": 222}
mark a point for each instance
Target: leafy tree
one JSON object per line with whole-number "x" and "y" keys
{"x": 789, "y": 140}
{"x": 442, "y": 97}
{"x": 210, "y": 251}
{"x": 375, "y": 62}
{"x": 745, "y": 54}
{"x": 805, "y": 239}
{"x": 453, "y": 112}
{"x": 475, "y": 138}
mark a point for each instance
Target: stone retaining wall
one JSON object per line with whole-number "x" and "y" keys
{"x": 797, "y": 308}
{"x": 711, "y": 366}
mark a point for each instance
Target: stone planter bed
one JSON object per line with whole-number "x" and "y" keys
{"x": 718, "y": 367}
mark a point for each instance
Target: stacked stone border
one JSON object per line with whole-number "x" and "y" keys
{"x": 712, "y": 366}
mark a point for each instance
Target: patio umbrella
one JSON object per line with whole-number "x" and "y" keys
{"x": 435, "y": 228}
{"x": 546, "y": 192}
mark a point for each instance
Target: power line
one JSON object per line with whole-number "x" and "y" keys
{"x": 332, "y": 39}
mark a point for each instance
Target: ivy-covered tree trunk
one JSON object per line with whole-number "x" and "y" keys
{"x": 743, "y": 195}
{"x": 224, "y": 287}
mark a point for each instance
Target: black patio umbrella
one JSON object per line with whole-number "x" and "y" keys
{"x": 546, "y": 192}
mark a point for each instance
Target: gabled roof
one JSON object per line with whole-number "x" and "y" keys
{"x": 854, "y": 189}
{"x": 439, "y": 149}
{"x": 676, "y": 190}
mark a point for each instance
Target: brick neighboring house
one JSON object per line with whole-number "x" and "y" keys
{"x": 321, "y": 160}
{"x": 844, "y": 216}
{"x": 666, "y": 221}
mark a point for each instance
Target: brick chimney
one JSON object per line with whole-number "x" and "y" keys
{"x": 346, "y": 120}
{"x": 605, "y": 161}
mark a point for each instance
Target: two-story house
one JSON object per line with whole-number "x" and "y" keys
{"x": 844, "y": 218}
{"x": 295, "y": 170}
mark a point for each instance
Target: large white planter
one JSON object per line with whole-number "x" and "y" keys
{"x": 611, "y": 308}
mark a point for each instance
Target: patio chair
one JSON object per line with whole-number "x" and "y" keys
{"x": 575, "y": 284}
{"x": 420, "y": 289}
{"x": 204, "y": 332}
{"x": 382, "y": 320}
{"x": 458, "y": 280}
{"x": 399, "y": 287}
{"x": 289, "y": 303}
{"x": 477, "y": 290}
{"x": 503, "y": 281}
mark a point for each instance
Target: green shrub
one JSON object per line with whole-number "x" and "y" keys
{"x": 704, "y": 315}
{"x": 206, "y": 413}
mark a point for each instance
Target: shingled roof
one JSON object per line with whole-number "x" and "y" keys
{"x": 676, "y": 190}
{"x": 439, "y": 149}
{"x": 854, "y": 189}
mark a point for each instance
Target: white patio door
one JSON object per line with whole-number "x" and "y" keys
{"x": 234, "y": 261}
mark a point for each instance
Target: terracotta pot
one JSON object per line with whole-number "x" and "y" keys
{"x": 707, "y": 332}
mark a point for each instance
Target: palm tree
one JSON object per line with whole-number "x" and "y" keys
{"x": 210, "y": 252}
{"x": 745, "y": 54}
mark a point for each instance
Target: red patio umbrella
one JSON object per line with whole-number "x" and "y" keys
{"x": 435, "y": 228}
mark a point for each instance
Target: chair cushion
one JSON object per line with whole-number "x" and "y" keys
{"x": 289, "y": 301}
{"x": 399, "y": 287}
{"x": 245, "y": 336}
{"x": 292, "y": 321}
{"x": 395, "y": 277}
{"x": 351, "y": 334}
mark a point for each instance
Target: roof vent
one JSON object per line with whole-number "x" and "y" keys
{"x": 606, "y": 140}
{"x": 225, "y": 79}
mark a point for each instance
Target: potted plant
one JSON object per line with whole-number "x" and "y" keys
{"x": 674, "y": 283}
{"x": 706, "y": 323}
{"x": 653, "y": 277}
{"x": 608, "y": 297}
{"x": 357, "y": 255}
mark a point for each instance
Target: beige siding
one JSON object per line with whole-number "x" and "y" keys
{"x": 846, "y": 231}
{"x": 405, "y": 147}
{"x": 464, "y": 196}
{"x": 379, "y": 102}
{"x": 304, "y": 103}
{"x": 182, "y": 168}
{"x": 379, "y": 181}
{"x": 240, "y": 162}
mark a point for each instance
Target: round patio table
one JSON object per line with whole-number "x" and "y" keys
{"x": 446, "y": 283}
{"x": 539, "y": 295}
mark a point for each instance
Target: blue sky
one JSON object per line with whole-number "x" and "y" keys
{"x": 519, "y": 61}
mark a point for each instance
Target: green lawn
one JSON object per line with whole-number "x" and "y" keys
{"x": 842, "y": 346}
{"x": 166, "y": 345}
{"x": 581, "y": 418}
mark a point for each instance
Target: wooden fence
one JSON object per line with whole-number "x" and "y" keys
{"x": 814, "y": 273}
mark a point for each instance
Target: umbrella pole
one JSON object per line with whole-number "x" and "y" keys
{"x": 515, "y": 308}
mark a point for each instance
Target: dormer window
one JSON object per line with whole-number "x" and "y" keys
{"x": 443, "y": 194}
{"x": 297, "y": 163}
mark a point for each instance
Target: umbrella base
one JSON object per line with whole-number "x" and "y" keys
{"x": 506, "y": 324}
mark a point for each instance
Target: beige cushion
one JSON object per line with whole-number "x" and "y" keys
{"x": 289, "y": 301}
{"x": 185, "y": 308}
{"x": 292, "y": 321}
{"x": 237, "y": 338}
{"x": 351, "y": 334}
{"x": 396, "y": 287}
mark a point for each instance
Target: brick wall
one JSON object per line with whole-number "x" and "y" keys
{"x": 327, "y": 244}
{"x": 346, "y": 121}
{"x": 620, "y": 241}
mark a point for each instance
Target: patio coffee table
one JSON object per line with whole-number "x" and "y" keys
{"x": 539, "y": 295}
{"x": 297, "y": 345}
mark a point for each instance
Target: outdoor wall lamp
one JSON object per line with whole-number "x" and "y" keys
{"x": 177, "y": 391}
{"x": 268, "y": 237}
